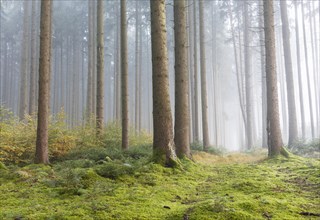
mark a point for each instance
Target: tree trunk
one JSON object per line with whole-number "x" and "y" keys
{"x": 124, "y": 77}
{"x": 307, "y": 69}
{"x": 275, "y": 144}
{"x": 163, "y": 146}
{"x": 24, "y": 62}
{"x": 204, "y": 97}
{"x": 303, "y": 123}
{"x": 90, "y": 59}
{"x": 100, "y": 66}
{"x": 182, "y": 115}
{"x": 263, "y": 80}
{"x": 195, "y": 69}
{"x": 248, "y": 76}
{"x": 33, "y": 73}
{"x": 293, "y": 129}
{"x": 137, "y": 70}
{"x": 44, "y": 83}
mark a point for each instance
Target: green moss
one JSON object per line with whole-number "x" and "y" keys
{"x": 278, "y": 188}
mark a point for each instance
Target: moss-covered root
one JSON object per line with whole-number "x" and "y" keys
{"x": 284, "y": 152}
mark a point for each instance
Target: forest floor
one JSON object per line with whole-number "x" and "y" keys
{"x": 128, "y": 186}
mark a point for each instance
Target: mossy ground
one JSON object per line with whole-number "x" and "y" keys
{"x": 237, "y": 186}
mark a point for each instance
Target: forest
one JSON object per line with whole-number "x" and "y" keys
{"x": 160, "y": 109}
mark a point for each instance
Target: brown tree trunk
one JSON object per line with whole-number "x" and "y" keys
{"x": 204, "y": 96}
{"x": 182, "y": 115}
{"x": 293, "y": 129}
{"x": 275, "y": 144}
{"x": 100, "y": 66}
{"x": 124, "y": 77}
{"x": 195, "y": 69}
{"x": 44, "y": 83}
{"x": 163, "y": 146}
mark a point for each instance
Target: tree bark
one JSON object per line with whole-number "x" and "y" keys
{"x": 124, "y": 77}
{"x": 100, "y": 66}
{"x": 204, "y": 96}
{"x": 195, "y": 73}
{"x": 44, "y": 83}
{"x": 90, "y": 59}
{"x": 137, "y": 70}
{"x": 293, "y": 129}
{"x": 275, "y": 145}
{"x": 182, "y": 114}
{"x": 163, "y": 146}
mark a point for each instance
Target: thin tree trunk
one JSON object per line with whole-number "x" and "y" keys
{"x": 137, "y": 70}
{"x": 248, "y": 76}
{"x": 124, "y": 77}
{"x": 44, "y": 83}
{"x": 163, "y": 146}
{"x": 24, "y": 63}
{"x": 307, "y": 69}
{"x": 100, "y": 66}
{"x": 293, "y": 129}
{"x": 32, "y": 99}
{"x": 303, "y": 123}
{"x": 204, "y": 97}
{"x": 263, "y": 80}
{"x": 182, "y": 114}
{"x": 90, "y": 59}
{"x": 195, "y": 69}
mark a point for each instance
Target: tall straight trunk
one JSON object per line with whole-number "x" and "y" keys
{"x": 137, "y": 70}
{"x": 94, "y": 59}
{"x": 44, "y": 83}
{"x": 214, "y": 70}
{"x": 303, "y": 123}
{"x": 263, "y": 80}
{"x": 163, "y": 146}
{"x": 204, "y": 96}
{"x": 100, "y": 66}
{"x": 248, "y": 76}
{"x": 275, "y": 144}
{"x": 117, "y": 78}
{"x": 32, "y": 98}
{"x": 314, "y": 62}
{"x": 307, "y": 69}
{"x": 182, "y": 115}
{"x": 124, "y": 77}
{"x": 24, "y": 63}
{"x": 293, "y": 129}
{"x": 195, "y": 69}
{"x": 90, "y": 59}
{"x": 238, "y": 72}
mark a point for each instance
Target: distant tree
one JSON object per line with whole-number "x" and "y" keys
{"x": 100, "y": 65}
{"x": 33, "y": 72}
{"x": 182, "y": 114}
{"x": 307, "y": 69}
{"x": 44, "y": 83}
{"x": 24, "y": 62}
{"x": 90, "y": 59}
{"x": 124, "y": 77}
{"x": 248, "y": 74}
{"x": 302, "y": 115}
{"x": 293, "y": 129}
{"x": 275, "y": 144}
{"x": 204, "y": 95}
{"x": 163, "y": 145}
